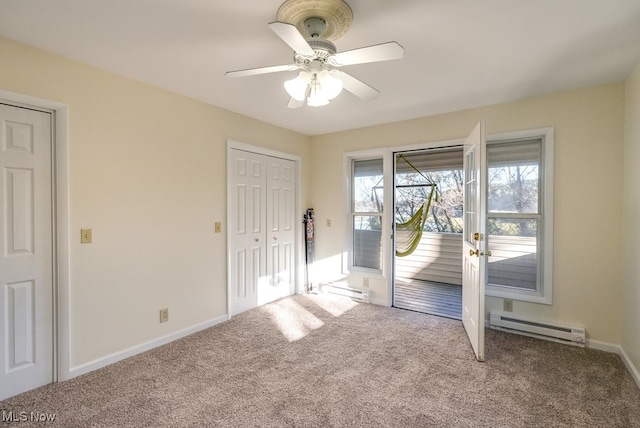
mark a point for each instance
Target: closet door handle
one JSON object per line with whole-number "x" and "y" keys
{"x": 256, "y": 239}
{"x": 275, "y": 238}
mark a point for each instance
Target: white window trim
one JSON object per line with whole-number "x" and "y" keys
{"x": 545, "y": 294}
{"x": 347, "y": 263}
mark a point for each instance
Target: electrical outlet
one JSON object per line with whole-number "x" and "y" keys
{"x": 507, "y": 305}
{"x": 164, "y": 315}
{"x": 365, "y": 282}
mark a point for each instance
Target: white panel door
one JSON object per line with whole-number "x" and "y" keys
{"x": 474, "y": 263}
{"x": 247, "y": 229}
{"x": 26, "y": 255}
{"x": 262, "y": 229}
{"x": 280, "y": 229}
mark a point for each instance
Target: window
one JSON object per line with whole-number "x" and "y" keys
{"x": 366, "y": 213}
{"x": 519, "y": 224}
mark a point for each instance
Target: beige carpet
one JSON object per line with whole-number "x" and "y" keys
{"x": 320, "y": 361}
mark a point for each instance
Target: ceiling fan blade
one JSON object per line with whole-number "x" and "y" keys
{"x": 291, "y": 36}
{"x": 293, "y": 103}
{"x": 357, "y": 87}
{"x": 383, "y": 52}
{"x": 261, "y": 70}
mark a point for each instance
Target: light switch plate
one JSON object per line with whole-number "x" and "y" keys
{"x": 85, "y": 236}
{"x": 218, "y": 227}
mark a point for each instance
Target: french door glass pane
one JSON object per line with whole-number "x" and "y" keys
{"x": 470, "y": 197}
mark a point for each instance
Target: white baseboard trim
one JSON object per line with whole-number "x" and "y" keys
{"x": 633, "y": 369}
{"x": 617, "y": 349}
{"x": 146, "y": 346}
{"x": 603, "y": 346}
{"x": 379, "y": 302}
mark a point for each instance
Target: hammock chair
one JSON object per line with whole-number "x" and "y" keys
{"x": 408, "y": 234}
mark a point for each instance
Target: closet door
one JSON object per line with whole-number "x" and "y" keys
{"x": 247, "y": 221}
{"x": 26, "y": 251}
{"x": 280, "y": 229}
{"x": 262, "y": 229}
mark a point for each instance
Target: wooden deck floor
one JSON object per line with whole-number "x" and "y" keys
{"x": 433, "y": 298}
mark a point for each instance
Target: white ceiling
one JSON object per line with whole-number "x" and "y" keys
{"x": 458, "y": 53}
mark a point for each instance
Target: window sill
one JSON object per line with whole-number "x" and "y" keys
{"x": 521, "y": 295}
{"x": 362, "y": 271}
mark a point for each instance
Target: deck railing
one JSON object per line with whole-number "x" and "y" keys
{"x": 438, "y": 258}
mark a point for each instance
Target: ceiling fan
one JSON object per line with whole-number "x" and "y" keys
{"x": 315, "y": 57}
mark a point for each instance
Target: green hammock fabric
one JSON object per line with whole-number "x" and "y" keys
{"x": 408, "y": 234}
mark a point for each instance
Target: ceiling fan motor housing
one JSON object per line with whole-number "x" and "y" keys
{"x": 315, "y": 27}
{"x": 323, "y": 50}
{"x": 319, "y": 79}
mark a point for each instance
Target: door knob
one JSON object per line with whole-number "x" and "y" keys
{"x": 275, "y": 238}
{"x": 479, "y": 253}
{"x": 256, "y": 239}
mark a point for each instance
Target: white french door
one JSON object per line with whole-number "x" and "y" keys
{"x": 261, "y": 230}
{"x": 26, "y": 253}
{"x": 474, "y": 251}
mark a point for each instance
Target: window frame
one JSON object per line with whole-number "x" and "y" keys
{"x": 348, "y": 261}
{"x": 544, "y": 239}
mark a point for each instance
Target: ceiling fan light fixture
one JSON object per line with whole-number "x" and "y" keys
{"x": 297, "y": 87}
{"x": 321, "y": 86}
{"x": 320, "y": 79}
{"x": 331, "y": 85}
{"x": 317, "y": 97}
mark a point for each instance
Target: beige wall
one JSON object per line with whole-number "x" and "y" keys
{"x": 589, "y": 138}
{"x": 630, "y": 220}
{"x": 147, "y": 172}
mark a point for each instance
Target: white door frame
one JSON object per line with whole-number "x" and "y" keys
{"x": 389, "y": 162}
{"x": 60, "y": 165}
{"x": 299, "y": 256}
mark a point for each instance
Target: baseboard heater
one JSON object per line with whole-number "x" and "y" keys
{"x": 345, "y": 290}
{"x": 542, "y": 330}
